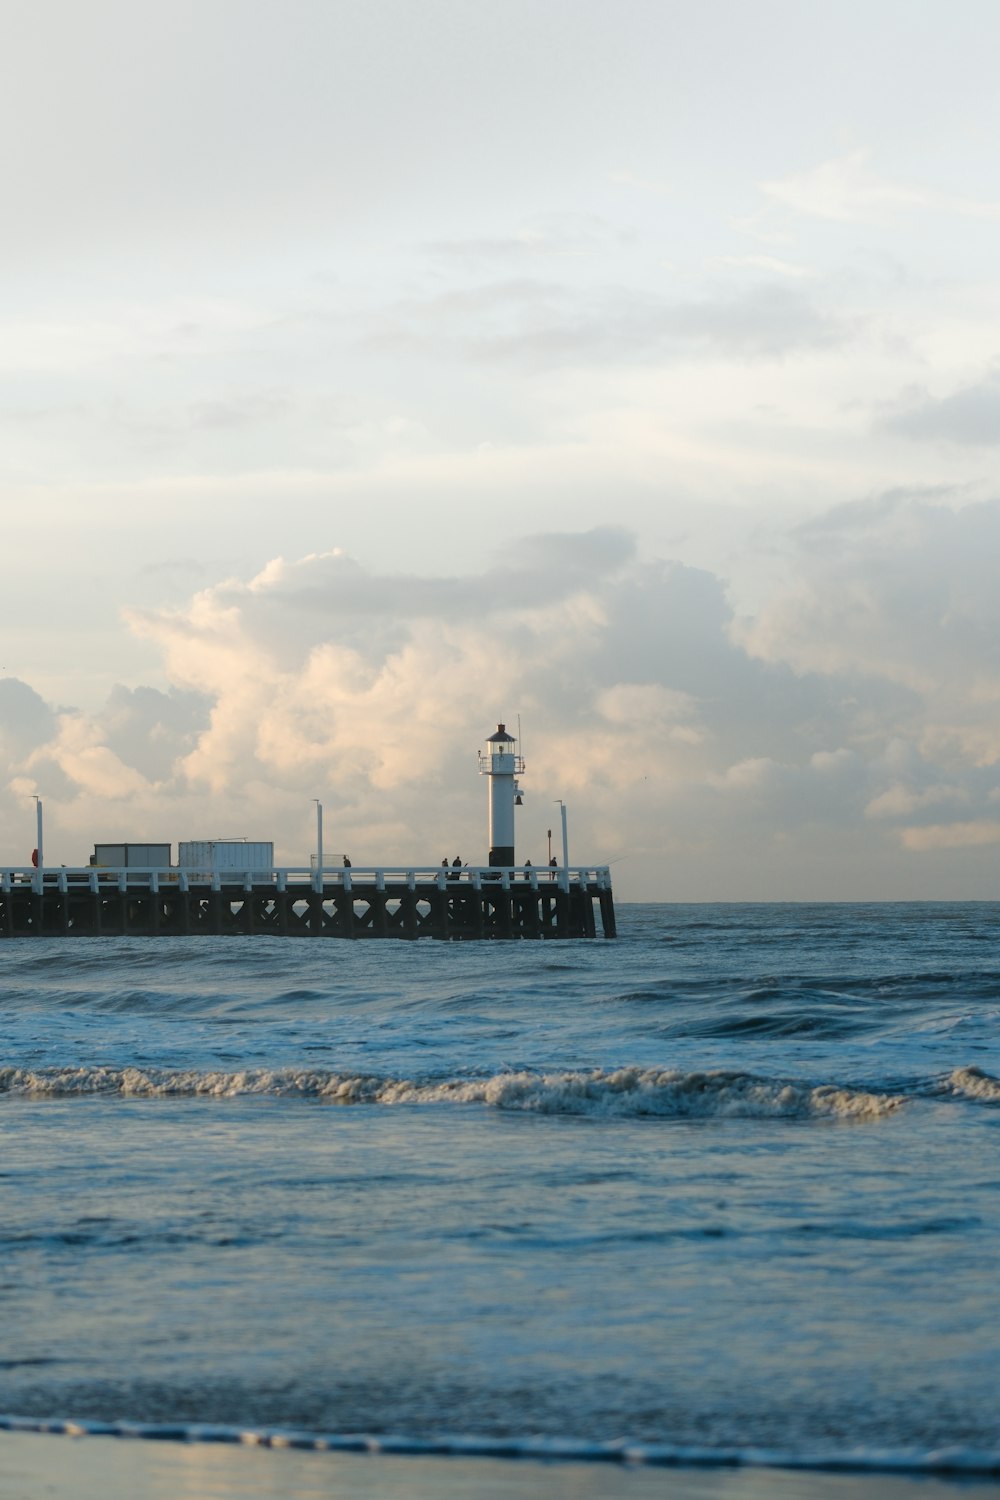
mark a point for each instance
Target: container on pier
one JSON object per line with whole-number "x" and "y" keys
{"x": 203, "y": 858}
{"x": 131, "y": 856}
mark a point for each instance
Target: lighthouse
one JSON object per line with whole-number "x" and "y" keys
{"x": 502, "y": 764}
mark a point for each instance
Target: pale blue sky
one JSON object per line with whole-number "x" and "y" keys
{"x": 415, "y": 285}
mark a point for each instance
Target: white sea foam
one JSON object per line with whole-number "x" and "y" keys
{"x": 619, "y": 1093}
{"x": 973, "y": 1083}
{"x": 953, "y": 1460}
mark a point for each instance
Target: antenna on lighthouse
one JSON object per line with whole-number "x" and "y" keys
{"x": 502, "y": 764}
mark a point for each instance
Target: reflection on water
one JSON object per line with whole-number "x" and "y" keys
{"x": 95, "y": 1468}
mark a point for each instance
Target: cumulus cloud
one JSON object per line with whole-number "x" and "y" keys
{"x": 26, "y": 720}
{"x": 902, "y": 589}
{"x": 899, "y": 592}
{"x": 853, "y": 723}
{"x": 148, "y": 730}
{"x": 319, "y": 677}
{"x": 118, "y": 762}
{"x": 320, "y": 668}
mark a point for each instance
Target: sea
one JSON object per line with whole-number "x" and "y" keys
{"x": 724, "y": 1191}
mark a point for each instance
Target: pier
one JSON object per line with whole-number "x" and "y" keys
{"x": 450, "y": 904}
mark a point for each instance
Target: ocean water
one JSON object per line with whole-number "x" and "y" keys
{"x": 728, "y": 1184}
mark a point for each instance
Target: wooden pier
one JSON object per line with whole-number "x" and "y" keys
{"x": 448, "y": 904}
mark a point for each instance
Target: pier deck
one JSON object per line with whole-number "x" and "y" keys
{"x": 473, "y": 903}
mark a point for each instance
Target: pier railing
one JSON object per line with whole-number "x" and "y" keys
{"x": 99, "y": 878}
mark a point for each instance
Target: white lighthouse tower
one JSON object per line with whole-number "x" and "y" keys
{"x": 502, "y": 764}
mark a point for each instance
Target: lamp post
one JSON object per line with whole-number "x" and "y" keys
{"x": 40, "y": 836}
{"x": 319, "y": 843}
{"x": 565, "y": 840}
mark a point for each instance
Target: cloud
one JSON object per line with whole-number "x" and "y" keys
{"x": 552, "y": 234}
{"x": 720, "y": 755}
{"x": 952, "y": 835}
{"x": 377, "y": 672}
{"x": 148, "y": 730}
{"x": 900, "y": 592}
{"x": 900, "y": 801}
{"x": 26, "y": 720}
{"x": 543, "y": 324}
{"x": 969, "y": 416}
{"x": 639, "y": 705}
{"x": 317, "y": 676}
{"x": 847, "y": 190}
{"x": 289, "y": 607}
{"x": 770, "y": 263}
{"x": 132, "y": 743}
{"x": 627, "y": 178}
{"x": 903, "y": 505}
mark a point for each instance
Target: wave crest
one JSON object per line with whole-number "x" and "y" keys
{"x": 972, "y": 1083}
{"x": 629, "y": 1092}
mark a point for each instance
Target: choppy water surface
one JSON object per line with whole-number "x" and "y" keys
{"x": 732, "y": 1181}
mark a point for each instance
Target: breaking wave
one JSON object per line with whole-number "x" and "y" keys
{"x": 621, "y": 1093}
{"x": 972, "y": 1083}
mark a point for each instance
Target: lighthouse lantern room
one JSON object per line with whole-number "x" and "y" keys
{"x": 502, "y": 764}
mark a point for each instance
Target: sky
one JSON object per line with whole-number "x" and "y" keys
{"x": 371, "y": 373}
